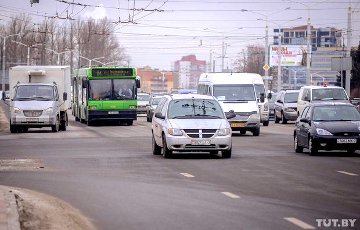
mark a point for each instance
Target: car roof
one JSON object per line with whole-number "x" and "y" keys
{"x": 191, "y": 96}
{"x": 291, "y": 91}
{"x": 321, "y": 87}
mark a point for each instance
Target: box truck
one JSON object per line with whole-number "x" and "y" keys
{"x": 39, "y": 97}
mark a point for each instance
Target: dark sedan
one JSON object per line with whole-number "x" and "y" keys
{"x": 328, "y": 126}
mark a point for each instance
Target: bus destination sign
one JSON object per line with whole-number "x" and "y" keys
{"x": 112, "y": 72}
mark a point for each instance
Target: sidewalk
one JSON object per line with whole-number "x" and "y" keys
{"x": 9, "y": 217}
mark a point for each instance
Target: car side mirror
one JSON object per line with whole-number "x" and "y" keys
{"x": 84, "y": 83}
{"x": 279, "y": 101}
{"x": 159, "y": 115}
{"x": 262, "y": 97}
{"x": 138, "y": 85}
{"x": 231, "y": 114}
{"x": 269, "y": 96}
{"x": 305, "y": 120}
{"x": 307, "y": 99}
{"x": 64, "y": 96}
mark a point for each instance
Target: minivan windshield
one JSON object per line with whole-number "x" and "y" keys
{"x": 195, "y": 108}
{"x": 244, "y": 92}
{"x": 34, "y": 92}
{"x": 336, "y": 113}
{"x": 291, "y": 97}
{"x": 329, "y": 94}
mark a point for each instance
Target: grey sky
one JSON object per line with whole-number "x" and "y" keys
{"x": 181, "y": 27}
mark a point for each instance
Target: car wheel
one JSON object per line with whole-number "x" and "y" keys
{"x": 297, "y": 148}
{"x": 242, "y": 132}
{"x": 312, "y": 149}
{"x": 147, "y": 118}
{"x": 256, "y": 132}
{"x": 55, "y": 128}
{"x": 266, "y": 123}
{"x": 226, "y": 153}
{"x": 155, "y": 148}
{"x": 283, "y": 119}
{"x": 166, "y": 152}
{"x": 276, "y": 118}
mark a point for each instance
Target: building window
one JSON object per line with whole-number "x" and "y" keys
{"x": 286, "y": 34}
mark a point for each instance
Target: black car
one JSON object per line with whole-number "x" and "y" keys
{"x": 328, "y": 126}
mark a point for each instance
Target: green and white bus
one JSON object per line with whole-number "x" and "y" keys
{"x": 105, "y": 94}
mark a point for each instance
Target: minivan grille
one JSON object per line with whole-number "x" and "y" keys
{"x": 200, "y": 133}
{"x": 32, "y": 113}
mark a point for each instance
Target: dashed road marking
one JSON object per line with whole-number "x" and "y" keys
{"x": 348, "y": 173}
{"x": 231, "y": 195}
{"x": 299, "y": 223}
{"x": 187, "y": 175}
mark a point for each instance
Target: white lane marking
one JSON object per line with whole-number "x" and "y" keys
{"x": 299, "y": 223}
{"x": 187, "y": 175}
{"x": 347, "y": 173}
{"x": 231, "y": 195}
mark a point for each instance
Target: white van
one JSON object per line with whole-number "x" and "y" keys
{"x": 311, "y": 93}
{"x": 234, "y": 91}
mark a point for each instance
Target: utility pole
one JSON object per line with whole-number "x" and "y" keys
{"x": 222, "y": 56}
{"x": 348, "y": 51}
{"x": 308, "y": 55}
{"x": 279, "y": 63}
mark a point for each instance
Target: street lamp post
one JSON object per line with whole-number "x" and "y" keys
{"x": 316, "y": 74}
{"x": 28, "y": 50}
{"x": 3, "y": 60}
{"x": 58, "y": 54}
{"x": 90, "y": 60}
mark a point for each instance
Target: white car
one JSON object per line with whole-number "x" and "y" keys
{"x": 191, "y": 122}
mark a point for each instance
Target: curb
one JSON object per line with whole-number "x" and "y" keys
{"x": 11, "y": 211}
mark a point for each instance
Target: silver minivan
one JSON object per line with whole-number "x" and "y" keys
{"x": 191, "y": 123}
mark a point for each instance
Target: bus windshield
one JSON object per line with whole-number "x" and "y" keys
{"x": 234, "y": 92}
{"x": 112, "y": 89}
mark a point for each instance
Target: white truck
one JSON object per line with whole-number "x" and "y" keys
{"x": 39, "y": 97}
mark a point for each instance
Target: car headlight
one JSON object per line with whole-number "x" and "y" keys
{"x": 289, "y": 110}
{"x": 17, "y": 110}
{"x": 224, "y": 132}
{"x": 323, "y": 132}
{"x": 175, "y": 132}
{"x": 48, "y": 110}
{"x": 266, "y": 107}
{"x": 254, "y": 116}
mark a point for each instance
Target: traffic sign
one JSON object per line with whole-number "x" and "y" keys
{"x": 266, "y": 67}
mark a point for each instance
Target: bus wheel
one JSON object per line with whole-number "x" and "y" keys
{"x": 130, "y": 122}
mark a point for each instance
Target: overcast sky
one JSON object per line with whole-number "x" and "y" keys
{"x": 170, "y": 29}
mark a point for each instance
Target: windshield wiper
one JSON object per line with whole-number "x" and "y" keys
{"x": 24, "y": 99}
{"x": 42, "y": 98}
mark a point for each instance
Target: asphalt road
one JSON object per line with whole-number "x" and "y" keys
{"x": 110, "y": 174}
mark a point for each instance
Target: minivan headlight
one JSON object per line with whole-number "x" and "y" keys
{"x": 323, "y": 132}
{"x": 175, "y": 132}
{"x": 224, "y": 132}
{"x": 17, "y": 110}
{"x": 48, "y": 110}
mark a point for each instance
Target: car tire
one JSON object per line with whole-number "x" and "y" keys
{"x": 283, "y": 119}
{"x": 276, "y": 118}
{"x": 147, "y": 118}
{"x": 156, "y": 149}
{"x": 266, "y": 123}
{"x": 165, "y": 151}
{"x": 298, "y": 149}
{"x": 226, "y": 153}
{"x": 13, "y": 128}
{"x": 55, "y": 128}
{"x": 256, "y": 132}
{"x": 312, "y": 149}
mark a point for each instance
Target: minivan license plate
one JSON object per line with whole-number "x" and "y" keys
{"x": 200, "y": 142}
{"x": 346, "y": 141}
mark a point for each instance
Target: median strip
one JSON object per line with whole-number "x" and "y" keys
{"x": 231, "y": 195}
{"x": 299, "y": 223}
{"x": 187, "y": 175}
{"x": 348, "y": 173}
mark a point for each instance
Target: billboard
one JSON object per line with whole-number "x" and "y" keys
{"x": 291, "y": 55}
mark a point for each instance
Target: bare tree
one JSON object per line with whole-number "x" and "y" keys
{"x": 252, "y": 60}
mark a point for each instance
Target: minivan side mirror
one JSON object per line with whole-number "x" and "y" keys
{"x": 305, "y": 120}
{"x": 159, "y": 115}
{"x": 231, "y": 114}
{"x": 262, "y": 97}
{"x": 64, "y": 96}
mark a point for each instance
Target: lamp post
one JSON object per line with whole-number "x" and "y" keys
{"x": 28, "y": 50}
{"x": 3, "y": 60}
{"x": 316, "y": 74}
{"x": 107, "y": 63}
{"x": 58, "y": 54}
{"x": 90, "y": 60}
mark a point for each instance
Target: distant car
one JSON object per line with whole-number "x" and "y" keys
{"x": 328, "y": 126}
{"x": 285, "y": 106}
{"x": 271, "y": 103}
{"x": 142, "y": 101}
{"x": 154, "y": 101}
{"x": 188, "y": 123}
